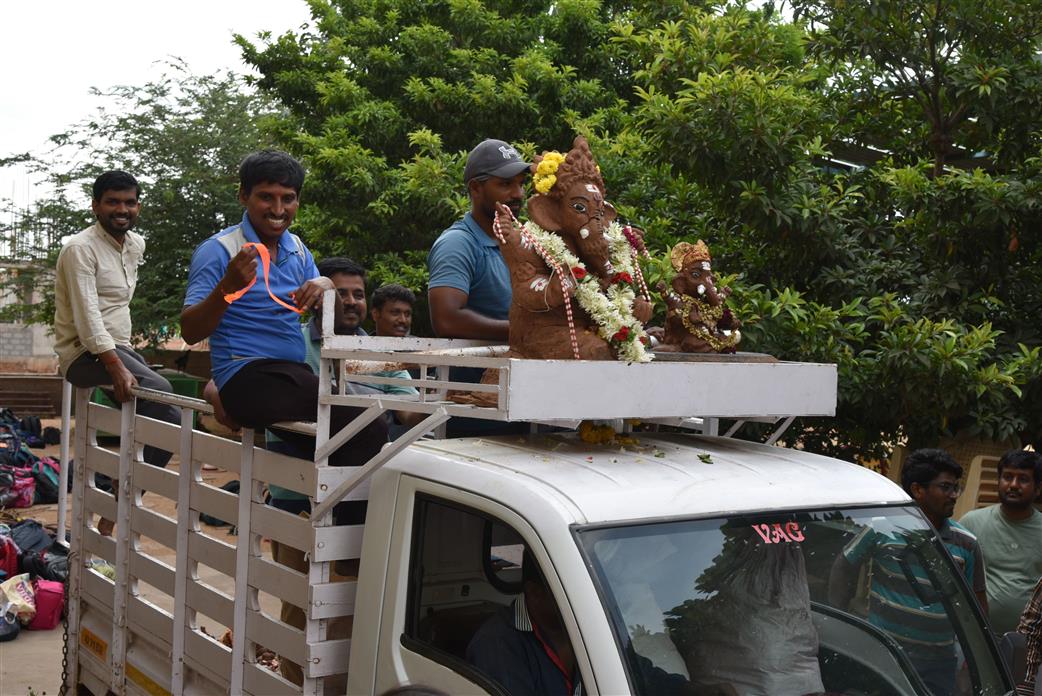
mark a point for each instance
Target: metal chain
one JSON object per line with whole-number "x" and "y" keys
{"x": 63, "y": 689}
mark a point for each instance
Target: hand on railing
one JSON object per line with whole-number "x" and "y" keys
{"x": 122, "y": 379}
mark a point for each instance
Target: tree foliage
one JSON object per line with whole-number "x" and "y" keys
{"x": 869, "y": 172}
{"x": 183, "y": 137}
{"x": 719, "y": 121}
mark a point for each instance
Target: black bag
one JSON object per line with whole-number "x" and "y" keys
{"x": 51, "y": 435}
{"x": 8, "y": 417}
{"x": 10, "y": 446}
{"x": 30, "y": 536}
{"x": 50, "y": 564}
{"x": 31, "y": 425}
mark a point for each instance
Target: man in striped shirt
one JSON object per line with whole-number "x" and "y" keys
{"x": 909, "y": 613}
{"x": 1031, "y": 627}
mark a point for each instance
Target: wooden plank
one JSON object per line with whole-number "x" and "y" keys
{"x": 259, "y": 681}
{"x": 332, "y": 599}
{"x": 281, "y": 526}
{"x": 274, "y": 635}
{"x": 103, "y": 461}
{"x": 158, "y": 481}
{"x": 295, "y": 474}
{"x": 100, "y": 503}
{"x": 211, "y": 552}
{"x": 328, "y": 657}
{"x": 209, "y": 602}
{"x": 101, "y": 417}
{"x": 279, "y": 580}
{"x": 214, "y": 501}
{"x": 124, "y": 522}
{"x": 241, "y": 646}
{"x": 186, "y": 521}
{"x": 102, "y": 546}
{"x": 153, "y": 571}
{"x": 216, "y": 450}
{"x": 149, "y": 431}
{"x": 97, "y": 590}
{"x": 150, "y": 620}
{"x": 336, "y": 543}
{"x": 211, "y": 659}
{"x": 155, "y": 526}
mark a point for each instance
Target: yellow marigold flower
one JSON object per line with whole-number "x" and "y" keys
{"x": 546, "y": 172}
{"x": 545, "y": 183}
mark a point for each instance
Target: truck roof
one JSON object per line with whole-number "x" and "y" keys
{"x": 661, "y": 475}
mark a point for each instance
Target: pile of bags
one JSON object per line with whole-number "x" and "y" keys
{"x": 26, "y": 479}
{"x": 33, "y": 569}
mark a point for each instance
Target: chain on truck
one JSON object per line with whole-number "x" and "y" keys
{"x": 678, "y": 562}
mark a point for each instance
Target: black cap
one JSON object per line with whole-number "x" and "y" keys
{"x": 494, "y": 158}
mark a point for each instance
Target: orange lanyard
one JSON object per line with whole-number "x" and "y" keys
{"x": 265, "y": 265}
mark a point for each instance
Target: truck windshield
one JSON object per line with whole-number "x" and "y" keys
{"x": 857, "y": 601}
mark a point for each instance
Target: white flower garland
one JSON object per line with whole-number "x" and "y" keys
{"x": 611, "y": 311}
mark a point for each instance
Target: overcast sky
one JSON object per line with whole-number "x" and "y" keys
{"x": 54, "y": 51}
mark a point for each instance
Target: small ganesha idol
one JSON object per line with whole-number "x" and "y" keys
{"x": 696, "y": 319}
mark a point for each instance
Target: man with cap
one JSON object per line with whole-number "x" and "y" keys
{"x": 469, "y": 288}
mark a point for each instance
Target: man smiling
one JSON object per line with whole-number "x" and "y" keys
{"x": 257, "y": 350}
{"x": 95, "y": 280}
{"x": 392, "y": 310}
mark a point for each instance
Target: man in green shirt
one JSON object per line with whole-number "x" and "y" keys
{"x": 1010, "y": 534}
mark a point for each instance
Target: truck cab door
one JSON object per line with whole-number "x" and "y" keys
{"x": 454, "y": 562}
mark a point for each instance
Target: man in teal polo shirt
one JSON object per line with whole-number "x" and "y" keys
{"x": 247, "y": 286}
{"x": 469, "y": 287}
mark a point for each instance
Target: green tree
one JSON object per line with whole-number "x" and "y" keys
{"x": 385, "y": 97}
{"x": 718, "y": 120}
{"x": 183, "y": 137}
{"x": 943, "y": 79}
{"x": 920, "y": 283}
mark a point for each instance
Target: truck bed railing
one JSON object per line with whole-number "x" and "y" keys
{"x": 142, "y": 633}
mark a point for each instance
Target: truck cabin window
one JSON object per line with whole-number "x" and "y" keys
{"x": 478, "y": 600}
{"x": 860, "y": 601}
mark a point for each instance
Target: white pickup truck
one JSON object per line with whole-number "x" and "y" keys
{"x": 675, "y": 563}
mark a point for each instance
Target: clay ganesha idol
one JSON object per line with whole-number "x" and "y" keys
{"x": 577, "y": 287}
{"x": 696, "y": 319}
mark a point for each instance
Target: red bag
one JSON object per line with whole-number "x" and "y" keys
{"x": 24, "y": 489}
{"x": 8, "y": 557}
{"x": 50, "y": 600}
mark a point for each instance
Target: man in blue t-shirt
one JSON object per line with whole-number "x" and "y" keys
{"x": 247, "y": 286}
{"x": 469, "y": 286}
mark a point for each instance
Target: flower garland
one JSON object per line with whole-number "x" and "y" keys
{"x": 611, "y": 310}
{"x": 706, "y": 329}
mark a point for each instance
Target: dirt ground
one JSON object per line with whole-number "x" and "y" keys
{"x": 31, "y": 664}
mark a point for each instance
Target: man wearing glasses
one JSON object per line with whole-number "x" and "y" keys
{"x": 887, "y": 561}
{"x": 932, "y": 477}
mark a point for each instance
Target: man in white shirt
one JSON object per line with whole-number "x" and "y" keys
{"x": 95, "y": 279}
